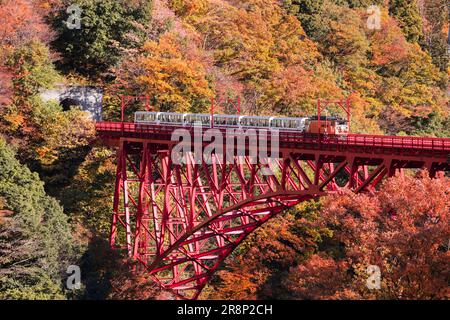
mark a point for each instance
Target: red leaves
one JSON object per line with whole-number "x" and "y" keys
{"x": 403, "y": 230}
{"x": 318, "y": 278}
{"x": 388, "y": 45}
{"x": 20, "y": 21}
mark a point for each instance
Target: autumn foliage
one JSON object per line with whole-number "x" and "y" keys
{"x": 21, "y": 21}
{"x": 402, "y": 229}
{"x": 279, "y": 58}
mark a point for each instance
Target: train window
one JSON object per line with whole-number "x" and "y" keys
{"x": 225, "y": 120}
{"x": 255, "y": 121}
{"x": 151, "y": 117}
{"x": 264, "y": 122}
{"x": 190, "y": 118}
{"x": 205, "y": 119}
{"x": 145, "y": 116}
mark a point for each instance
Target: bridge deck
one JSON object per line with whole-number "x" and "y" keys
{"x": 117, "y": 130}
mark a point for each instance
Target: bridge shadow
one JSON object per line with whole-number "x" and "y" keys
{"x": 100, "y": 265}
{"x": 109, "y": 274}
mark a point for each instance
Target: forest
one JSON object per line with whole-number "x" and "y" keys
{"x": 279, "y": 57}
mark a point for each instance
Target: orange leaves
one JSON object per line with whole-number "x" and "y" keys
{"x": 173, "y": 74}
{"x": 319, "y": 278}
{"x": 261, "y": 262}
{"x": 388, "y": 45}
{"x": 15, "y": 120}
{"x": 252, "y": 39}
{"x": 403, "y": 229}
{"x": 188, "y": 7}
{"x": 294, "y": 90}
{"x": 20, "y": 22}
{"x": 292, "y": 46}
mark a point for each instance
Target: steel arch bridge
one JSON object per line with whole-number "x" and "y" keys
{"x": 180, "y": 221}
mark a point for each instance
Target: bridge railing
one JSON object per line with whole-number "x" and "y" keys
{"x": 129, "y": 129}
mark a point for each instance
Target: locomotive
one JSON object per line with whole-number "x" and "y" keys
{"x": 310, "y": 125}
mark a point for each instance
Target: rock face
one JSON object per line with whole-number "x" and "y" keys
{"x": 88, "y": 98}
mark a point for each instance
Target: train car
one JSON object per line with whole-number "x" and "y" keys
{"x": 254, "y": 122}
{"x": 171, "y": 118}
{"x": 221, "y": 120}
{"x": 296, "y": 124}
{"x": 192, "y": 118}
{"x": 146, "y": 117}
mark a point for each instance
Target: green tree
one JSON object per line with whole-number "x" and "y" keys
{"x": 108, "y": 29}
{"x": 408, "y": 15}
{"x": 337, "y": 29}
{"x": 36, "y": 244}
{"x": 33, "y": 69}
{"x": 436, "y": 39}
{"x": 309, "y": 12}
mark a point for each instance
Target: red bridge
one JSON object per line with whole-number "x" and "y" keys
{"x": 181, "y": 221}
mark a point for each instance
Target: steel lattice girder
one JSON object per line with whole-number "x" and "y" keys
{"x": 181, "y": 221}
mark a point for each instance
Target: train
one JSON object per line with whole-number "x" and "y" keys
{"x": 310, "y": 125}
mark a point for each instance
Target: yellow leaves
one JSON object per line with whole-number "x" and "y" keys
{"x": 15, "y": 120}
{"x": 167, "y": 48}
{"x": 45, "y": 155}
{"x": 292, "y": 46}
{"x": 294, "y": 90}
{"x": 252, "y": 39}
{"x": 362, "y": 107}
{"x": 174, "y": 75}
{"x": 188, "y": 8}
{"x": 56, "y": 131}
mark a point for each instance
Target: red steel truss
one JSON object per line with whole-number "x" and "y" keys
{"x": 181, "y": 221}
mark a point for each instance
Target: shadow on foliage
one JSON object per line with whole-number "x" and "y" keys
{"x": 99, "y": 266}
{"x": 61, "y": 172}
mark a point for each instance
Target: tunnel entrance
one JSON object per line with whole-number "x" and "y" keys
{"x": 67, "y": 103}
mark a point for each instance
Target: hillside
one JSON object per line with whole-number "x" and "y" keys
{"x": 279, "y": 57}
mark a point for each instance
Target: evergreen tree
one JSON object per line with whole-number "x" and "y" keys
{"x": 408, "y": 15}
{"x": 436, "y": 41}
{"x": 107, "y": 29}
{"x": 35, "y": 238}
{"x": 310, "y": 12}
{"x": 306, "y": 11}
